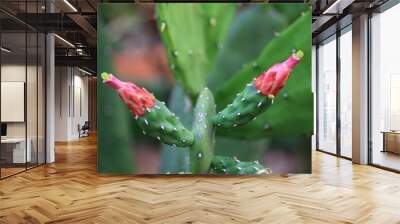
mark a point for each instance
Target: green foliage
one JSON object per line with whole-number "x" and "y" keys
{"x": 260, "y": 23}
{"x": 162, "y": 124}
{"x": 114, "y": 154}
{"x": 292, "y": 112}
{"x": 174, "y": 159}
{"x": 201, "y": 152}
{"x": 229, "y": 165}
{"x": 192, "y": 55}
{"x": 244, "y": 108}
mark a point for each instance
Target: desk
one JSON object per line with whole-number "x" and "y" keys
{"x": 391, "y": 141}
{"x": 16, "y": 147}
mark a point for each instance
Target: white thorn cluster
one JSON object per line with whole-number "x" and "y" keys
{"x": 163, "y": 26}
{"x": 213, "y": 21}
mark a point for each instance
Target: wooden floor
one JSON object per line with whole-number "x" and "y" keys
{"x": 70, "y": 191}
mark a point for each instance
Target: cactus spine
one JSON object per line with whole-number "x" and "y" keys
{"x": 258, "y": 95}
{"x": 201, "y": 152}
{"x": 229, "y": 165}
{"x": 152, "y": 115}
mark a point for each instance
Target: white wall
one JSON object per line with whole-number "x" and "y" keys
{"x": 33, "y": 126}
{"x": 71, "y": 102}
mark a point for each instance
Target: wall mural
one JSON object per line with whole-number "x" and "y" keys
{"x": 204, "y": 88}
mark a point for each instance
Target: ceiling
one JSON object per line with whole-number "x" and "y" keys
{"x": 331, "y": 15}
{"x": 74, "y": 22}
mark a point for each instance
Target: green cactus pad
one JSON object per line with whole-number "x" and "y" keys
{"x": 162, "y": 124}
{"x": 191, "y": 56}
{"x": 245, "y": 107}
{"x": 202, "y": 149}
{"x": 229, "y": 165}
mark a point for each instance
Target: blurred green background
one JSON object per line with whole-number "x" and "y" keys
{"x": 226, "y": 46}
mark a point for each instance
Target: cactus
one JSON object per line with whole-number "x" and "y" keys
{"x": 191, "y": 55}
{"x": 191, "y": 58}
{"x": 279, "y": 120}
{"x": 201, "y": 151}
{"x": 258, "y": 95}
{"x": 229, "y": 165}
{"x": 152, "y": 115}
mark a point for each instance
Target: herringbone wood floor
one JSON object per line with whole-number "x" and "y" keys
{"x": 70, "y": 191}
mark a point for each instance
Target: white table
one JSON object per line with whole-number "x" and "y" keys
{"x": 19, "y": 155}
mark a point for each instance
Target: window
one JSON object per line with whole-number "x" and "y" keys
{"x": 346, "y": 74}
{"x": 385, "y": 89}
{"x": 327, "y": 95}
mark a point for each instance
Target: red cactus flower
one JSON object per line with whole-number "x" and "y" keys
{"x": 273, "y": 80}
{"x": 138, "y": 99}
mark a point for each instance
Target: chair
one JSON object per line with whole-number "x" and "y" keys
{"x": 84, "y": 130}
